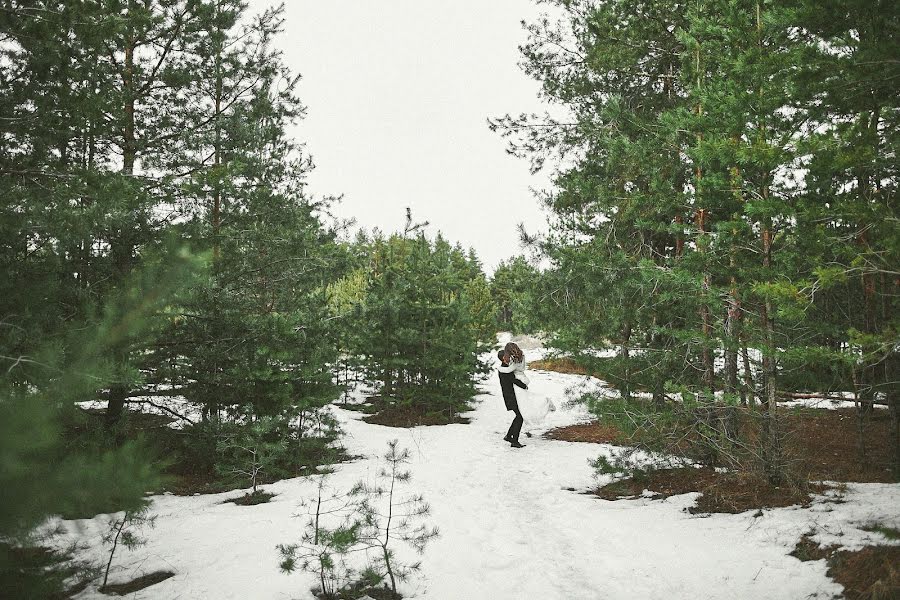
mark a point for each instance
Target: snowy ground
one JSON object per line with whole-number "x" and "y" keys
{"x": 510, "y": 527}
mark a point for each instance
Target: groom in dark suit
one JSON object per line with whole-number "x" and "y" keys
{"x": 507, "y": 381}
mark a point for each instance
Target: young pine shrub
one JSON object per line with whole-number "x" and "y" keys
{"x": 323, "y": 550}
{"x": 370, "y": 518}
{"x": 249, "y": 451}
{"x": 125, "y": 531}
{"x": 388, "y": 516}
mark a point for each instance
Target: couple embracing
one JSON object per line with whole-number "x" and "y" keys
{"x": 512, "y": 375}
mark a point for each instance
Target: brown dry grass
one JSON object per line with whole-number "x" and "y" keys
{"x": 872, "y": 573}
{"x": 820, "y": 444}
{"x": 594, "y": 432}
{"x": 824, "y": 444}
{"x": 408, "y": 415}
{"x": 560, "y": 365}
{"x": 721, "y": 492}
{"x": 868, "y": 574}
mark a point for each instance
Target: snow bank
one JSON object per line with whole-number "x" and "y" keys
{"x": 511, "y": 528}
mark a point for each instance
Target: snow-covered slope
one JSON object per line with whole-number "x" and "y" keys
{"x": 510, "y": 526}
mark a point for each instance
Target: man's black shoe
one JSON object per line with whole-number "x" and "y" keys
{"x": 506, "y": 438}
{"x": 516, "y": 444}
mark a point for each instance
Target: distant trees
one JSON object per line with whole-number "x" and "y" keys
{"x": 726, "y": 216}
{"x": 515, "y": 291}
{"x": 418, "y": 314}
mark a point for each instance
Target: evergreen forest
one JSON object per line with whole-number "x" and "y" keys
{"x": 179, "y": 314}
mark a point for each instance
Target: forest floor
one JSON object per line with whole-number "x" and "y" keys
{"x": 380, "y": 411}
{"x": 823, "y": 449}
{"x": 514, "y": 523}
{"x": 821, "y": 444}
{"x": 187, "y": 468}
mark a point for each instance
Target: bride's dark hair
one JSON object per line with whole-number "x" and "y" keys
{"x": 515, "y": 353}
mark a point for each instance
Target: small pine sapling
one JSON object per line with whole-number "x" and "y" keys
{"x": 323, "y": 550}
{"x": 125, "y": 530}
{"x": 386, "y": 516}
{"x": 250, "y": 451}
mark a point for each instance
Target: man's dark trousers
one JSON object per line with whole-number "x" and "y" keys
{"x": 507, "y": 381}
{"x": 516, "y": 427}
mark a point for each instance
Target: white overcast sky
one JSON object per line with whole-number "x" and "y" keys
{"x": 398, "y": 93}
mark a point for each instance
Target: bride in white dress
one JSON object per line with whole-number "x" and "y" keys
{"x": 534, "y": 408}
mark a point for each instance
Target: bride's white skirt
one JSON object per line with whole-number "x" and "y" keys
{"x": 534, "y": 408}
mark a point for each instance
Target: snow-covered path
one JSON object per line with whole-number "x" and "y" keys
{"x": 510, "y": 527}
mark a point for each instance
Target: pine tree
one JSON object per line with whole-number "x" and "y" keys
{"x": 427, "y": 317}
{"x": 513, "y": 287}
{"x": 718, "y": 195}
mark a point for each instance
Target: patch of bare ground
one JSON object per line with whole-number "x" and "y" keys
{"x": 825, "y": 444}
{"x": 721, "y": 492}
{"x": 145, "y": 581}
{"x": 560, "y": 365}
{"x": 808, "y": 549}
{"x": 252, "y": 499}
{"x": 872, "y": 573}
{"x": 593, "y": 432}
{"x": 403, "y": 414}
{"x": 187, "y": 466}
{"x": 570, "y": 366}
{"x": 821, "y": 444}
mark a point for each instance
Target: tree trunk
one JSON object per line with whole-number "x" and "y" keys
{"x": 860, "y": 425}
{"x": 748, "y": 393}
{"x": 679, "y": 237}
{"x": 701, "y": 215}
{"x": 217, "y": 151}
{"x": 705, "y": 315}
{"x": 626, "y": 358}
{"x": 772, "y": 450}
{"x": 866, "y": 380}
{"x": 733, "y": 309}
{"x": 732, "y": 340}
{"x": 121, "y": 246}
{"x": 894, "y": 403}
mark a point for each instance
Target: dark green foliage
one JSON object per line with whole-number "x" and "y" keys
{"x": 254, "y": 329}
{"x": 155, "y": 240}
{"x": 250, "y": 450}
{"x": 207, "y": 457}
{"x": 726, "y": 197}
{"x": 421, "y": 319}
{"x": 43, "y": 473}
{"x": 33, "y": 572}
{"x": 514, "y": 288}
